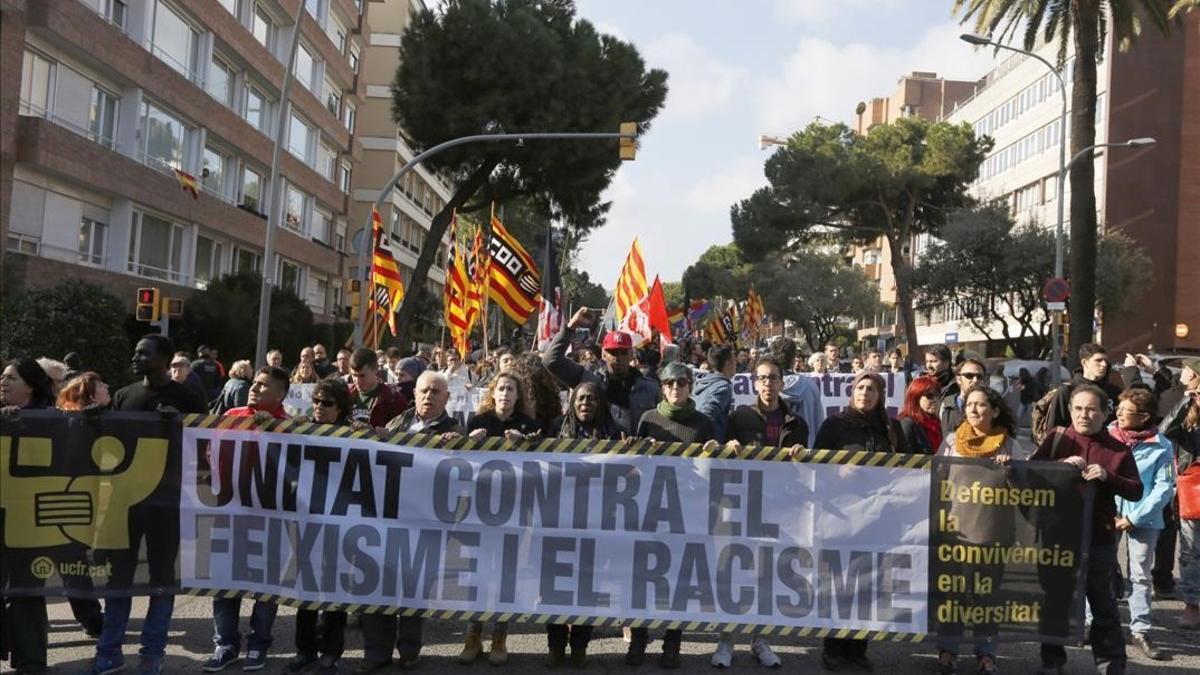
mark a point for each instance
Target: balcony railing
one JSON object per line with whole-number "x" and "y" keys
{"x": 30, "y": 109}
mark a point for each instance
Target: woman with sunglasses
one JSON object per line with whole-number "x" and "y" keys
{"x": 505, "y": 411}
{"x": 1142, "y": 521}
{"x": 988, "y": 431}
{"x": 970, "y": 372}
{"x": 320, "y": 636}
{"x": 918, "y": 418}
{"x": 675, "y": 420}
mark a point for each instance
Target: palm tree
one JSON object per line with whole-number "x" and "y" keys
{"x": 1182, "y": 6}
{"x": 1087, "y": 23}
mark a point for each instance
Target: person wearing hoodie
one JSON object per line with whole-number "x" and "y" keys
{"x": 1093, "y": 370}
{"x": 801, "y": 392}
{"x": 1141, "y": 521}
{"x": 713, "y": 393}
{"x": 863, "y": 425}
{"x": 1106, "y": 462}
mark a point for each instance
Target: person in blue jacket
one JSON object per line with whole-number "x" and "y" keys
{"x": 1142, "y": 521}
{"x": 801, "y": 392}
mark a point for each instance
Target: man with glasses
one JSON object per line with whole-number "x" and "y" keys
{"x": 630, "y": 393}
{"x": 264, "y": 403}
{"x": 950, "y": 412}
{"x": 1108, "y": 464}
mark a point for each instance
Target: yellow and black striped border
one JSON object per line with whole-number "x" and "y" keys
{"x": 573, "y": 619}
{"x": 566, "y": 445}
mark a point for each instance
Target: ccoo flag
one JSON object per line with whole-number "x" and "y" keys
{"x": 515, "y": 283}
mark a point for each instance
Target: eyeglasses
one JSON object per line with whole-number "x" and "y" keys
{"x": 677, "y": 383}
{"x": 767, "y": 379}
{"x": 972, "y": 376}
{"x": 1131, "y": 411}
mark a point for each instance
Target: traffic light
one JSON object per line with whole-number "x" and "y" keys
{"x": 628, "y": 140}
{"x": 173, "y": 307}
{"x": 147, "y": 304}
{"x": 355, "y": 298}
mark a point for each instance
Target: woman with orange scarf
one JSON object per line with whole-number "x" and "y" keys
{"x": 988, "y": 431}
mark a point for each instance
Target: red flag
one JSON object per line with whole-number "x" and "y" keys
{"x": 657, "y": 309}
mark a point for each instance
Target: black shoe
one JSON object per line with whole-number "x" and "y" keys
{"x": 579, "y": 657}
{"x": 833, "y": 662}
{"x": 300, "y": 663}
{"x": 947, "y": 662}
{"x": 669, "y": 660}
{"x": 861, "y": 662}
{"x": 328, "y": 665}
{"x": 556, "y": 657}
{"x": 410, "y": 661}
{"x": 1143, "y": 643}
{"x": 636, "y": 654}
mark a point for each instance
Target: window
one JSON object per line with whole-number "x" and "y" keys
{"x": 337, "y": 33}
{"x": 263, "y": 28}
{"x": 216, "y": 168}
{"x": 208, "y": 259}
{"x": 37, "y": 84}
{"x": 301, "y": 139}
{"x": 102, "y": 118}
{"x": 322, "y": 225}
{"x": 339, "y": 239}
{"x": 258, "y": 109}
{"x": 155, "y": 247}
{"x": 305, "y": 66}
{"x": 175, "y": 41}
{"x": 113, "y": 11}
{"x": 318, "y": 290}
{"x": 344, "y": 178}
{"x": 313, "y": 7}
{"x": 231, "y": 5}
{"x": 350, "y": 113}
{"x": 295, "y": 204}
{"x": 333, "y": 98}
{"x": 252, "y": 184}
{"x": 92, "y": 236}
{"x": 219, "y": 84}
{"x": 326, "y": 162}
{"x": 245, "y": 260}
{"x": 354, "y": 59}
{"x": 289, "y": 276}
{"x": 164, "y": 137}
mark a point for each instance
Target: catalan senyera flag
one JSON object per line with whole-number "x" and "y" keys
{"x": 188, "y": 182}
{"x": 479, "y": 273}
{"x": 387, "y": 286}
{"x": 455, "y": 293}
{"x": 714, "y": 332}
{"x": 631, "y": 282}
{"x": 514, "y": 281}
{"x": 753, "y": 315}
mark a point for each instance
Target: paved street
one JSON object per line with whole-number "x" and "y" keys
{"x": 191, "y": 633}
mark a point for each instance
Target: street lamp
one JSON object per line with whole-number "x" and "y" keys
{"x": 764, "y": 140}
{"x": 980, "y": 41}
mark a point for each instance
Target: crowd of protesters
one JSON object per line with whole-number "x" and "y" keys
{"x": 1130, "y": 434}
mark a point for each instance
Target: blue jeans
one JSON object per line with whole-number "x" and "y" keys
{"x": 154, "y": 628}
{"x": 1141, "y": 543}
{"x": 225, "y": 624}
{"x": 1189, "y": 560}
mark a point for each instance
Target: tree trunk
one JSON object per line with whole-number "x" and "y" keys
{"x": 904, "y": 297}
{"x": 437, "y": 230}
{"x": 1082, "y": 270}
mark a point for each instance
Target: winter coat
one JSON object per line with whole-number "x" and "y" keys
{"x": 713, "y": 395}
{"x": 748, "y": 426}
{"x": 1187, "y": 443}
{"x": 802, "y": 393}
{"x": 1156, "y": 468}
{"x": 850, "y": 431}
{"x": 642, "y": 393}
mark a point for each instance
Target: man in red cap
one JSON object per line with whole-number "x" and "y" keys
{"x": 629, "y": 392}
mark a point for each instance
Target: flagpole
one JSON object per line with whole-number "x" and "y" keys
{"x": 485, "y": 292}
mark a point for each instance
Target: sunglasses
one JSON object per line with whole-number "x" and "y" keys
{"x": 677, "y": 383}
{"x": 972, "y": 376}
{"x": 324, "y": 402}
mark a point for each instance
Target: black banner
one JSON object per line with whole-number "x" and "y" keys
{"x": 90, "y": 502}
{"x": 1007, "y": 551}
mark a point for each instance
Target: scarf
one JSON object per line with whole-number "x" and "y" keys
{"x": 1131, "y": 437}
{"x": 676, "y": 413}
{"x": 968, "y": 444}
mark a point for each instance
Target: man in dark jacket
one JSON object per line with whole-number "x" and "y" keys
{"x": 950, "y": 411}
{"x": 713, "y": 392}
{"x": 1094, "y": 365}
{"x": 630, "y": 394}
{"x": 209, "y": 372}
{"x": 373, "y": 401}
{"x": 428, "y": 412}
{"x": 769, "y": 421}
{"x": 939, "y": 364}
{"x": 1111, "y": 466}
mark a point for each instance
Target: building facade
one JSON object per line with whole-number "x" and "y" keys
{"x": 116, "y": 96}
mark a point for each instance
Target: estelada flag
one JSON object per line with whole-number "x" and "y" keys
{"x": 515, "y": 282}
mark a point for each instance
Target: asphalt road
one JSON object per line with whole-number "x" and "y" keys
{"x": 191, "y": 642}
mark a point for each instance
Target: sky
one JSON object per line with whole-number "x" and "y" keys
{"x": 738, "y": 69}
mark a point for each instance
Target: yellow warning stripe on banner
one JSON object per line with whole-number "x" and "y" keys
{"x": 641, "y": 446}
{"x": 573, "y": 619}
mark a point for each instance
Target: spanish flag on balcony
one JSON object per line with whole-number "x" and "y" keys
{"x": 188, "y": 182}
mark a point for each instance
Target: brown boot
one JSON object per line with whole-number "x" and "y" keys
{"x": 498, "y": 655}
{"x": 473, "y": 646}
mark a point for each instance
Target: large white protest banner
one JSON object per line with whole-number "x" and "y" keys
{"x": 628, "y": 536}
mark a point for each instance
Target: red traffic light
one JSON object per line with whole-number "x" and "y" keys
{"x": 145, "y": 296}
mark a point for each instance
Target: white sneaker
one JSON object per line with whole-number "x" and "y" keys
{"x": 723, "y": 657}
{"x": 762, "y": 651}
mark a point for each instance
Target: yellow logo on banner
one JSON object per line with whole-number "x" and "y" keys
{"x": 42, "y": 567}
{"x": 93, "y": 510}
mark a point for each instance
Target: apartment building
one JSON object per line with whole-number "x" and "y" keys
{"x": 116, "y": 96}
{"x": 421, "y": 194}
{"x": 1151, "y": 194}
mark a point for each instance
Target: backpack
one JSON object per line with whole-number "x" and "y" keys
{"x": 1039, "y": 424}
